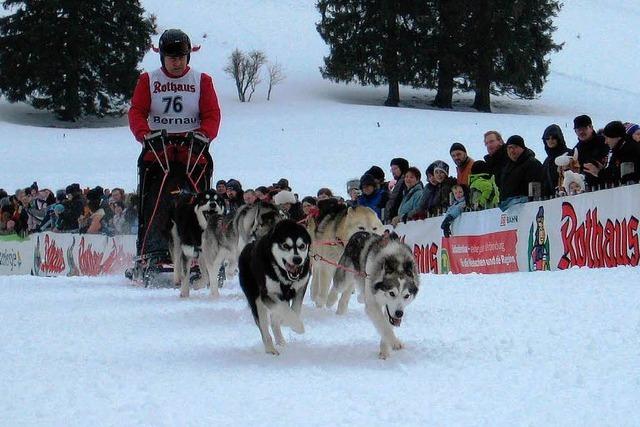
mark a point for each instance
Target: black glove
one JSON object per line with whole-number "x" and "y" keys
{"x": 200, "y": 141}
{"x": 155, "y": 139}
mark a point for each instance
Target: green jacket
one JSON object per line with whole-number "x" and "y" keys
{"x": 484, "y": 191}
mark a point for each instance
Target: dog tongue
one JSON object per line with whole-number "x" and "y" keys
{"x": 396, "y": 321}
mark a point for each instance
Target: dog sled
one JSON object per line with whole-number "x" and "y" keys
{"x": 169, "y": 166}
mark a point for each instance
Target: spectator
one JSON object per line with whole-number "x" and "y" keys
{"x": 353, "y": 190}
{"x": 523, "y": 169}
{"x": 438, "y": 195}
{"x": 624, "y": 163}
{"x": 592, "y": 150}
{"x": 410, "y": 203}
{"x": 282, "y": 184}
{"x": 73, "y": 207}
{"x": 398, "y": 168}
{"x": 324, "y": 193}
{"x": 573, "y": 183}
{"x": 555, "y": 146}
{"x": 119, "y": 223}
{"x": 262, "y": 193}
{"x": 633, "y": 130}
{"x": 378, "y": 175}
{"x": 235, "y": 195}
{"x": 91, "y": 221}
{"x": 496, "y": 158}
{"x": 308, "y": 203}
{"x": 131, "y": 212}
{"x": 286, "y": 201}
{"x": 117, "y": 195}
{"x": 372, "y": 194}
{"x": 3, "y": 193}
{"x": 455, "y": 210}
{"x": 61, "y": 196}
{"x": 462, "y": 161}
{"x": 53, "y": 220}
{"x": 426, "y": 192}
{"x": 484, "y": 192}
{"x": 7, "y": 224}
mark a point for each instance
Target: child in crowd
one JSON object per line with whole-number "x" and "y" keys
{"x": 573, "y": 183}
{"x": 455, "y": 210}
{"x": 53, "y": 219}
{"x": 119, "y": 223}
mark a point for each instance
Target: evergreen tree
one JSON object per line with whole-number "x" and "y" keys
{"x": 508, "y": 42}
{"x": 73, "y": 57}
{"x": 371, "y": 42}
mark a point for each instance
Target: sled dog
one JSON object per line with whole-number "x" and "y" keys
{"x": 388, "y": 281}
{"x": 274, "y": 272}
{"x": 187, "y": 222}
{"x": 223, "y": 241}
{"x": 330, "y": 231}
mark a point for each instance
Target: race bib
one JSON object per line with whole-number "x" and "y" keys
{"x": 174, "y": 101}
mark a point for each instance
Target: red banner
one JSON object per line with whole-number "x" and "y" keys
{"x": 487, "y": 253}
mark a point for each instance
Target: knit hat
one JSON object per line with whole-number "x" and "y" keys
{"x": 284, "y": 196}
{"x": 403, "y": 164}
{"x": 58, "y": 208}
{"x": 440, "y": 165}
{"x": 516, "y": 140}
{"x": 456, "y": 146}
{"x": 631, "y": 128}
{"x": 614, "y": 129}
{"x": 479, "y": 166}
{"x": 367, "y": 179}
{"x": 221, "y": 182}
{"x": 282, "y": 184}
{"x": 377, "y": 173}
{"x": 582, "y": 121}
{"x": 353, "y": 183}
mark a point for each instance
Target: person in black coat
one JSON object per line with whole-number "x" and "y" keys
{"x": 497, "y": 157}
{"x": 592, "y": 150}
{"x": 624, "y": 164}
{"x": 523, "y": 168}
{"x": 555, "y": 146}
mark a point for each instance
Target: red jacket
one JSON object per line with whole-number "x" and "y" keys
{"x": 141, "y": 101}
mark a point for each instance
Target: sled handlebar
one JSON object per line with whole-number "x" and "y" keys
{"x": 159, "y": 139}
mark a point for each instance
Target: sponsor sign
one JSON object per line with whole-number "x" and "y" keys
{"x": 486, "y": 253}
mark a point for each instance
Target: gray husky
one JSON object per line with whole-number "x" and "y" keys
{"x": 223, "y": 241}
{"x": 387, "y": 278}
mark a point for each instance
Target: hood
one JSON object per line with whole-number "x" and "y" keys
{"x": 562, "y": 145}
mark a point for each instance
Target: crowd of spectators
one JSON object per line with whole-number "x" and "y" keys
{"x": 73, "y": 209}
{"x": 509, "y": 174}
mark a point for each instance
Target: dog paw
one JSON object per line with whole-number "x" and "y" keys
{"x": 297, "y": 327}
{"x": 280, "y": 341}
{"x": 272, "y": 351}
{"x": 184, "y": 294}
{"x": 384, "y": 354}
{"x": 397, "y": 345}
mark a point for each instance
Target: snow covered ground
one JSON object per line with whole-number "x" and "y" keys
{"x": 554, "y": 348}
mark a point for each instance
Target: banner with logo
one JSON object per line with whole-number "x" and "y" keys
{"x": 64, "y": 254}
{"x": 598, "y": 229}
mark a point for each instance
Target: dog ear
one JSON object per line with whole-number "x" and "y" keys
{"x": 381, "y": 286}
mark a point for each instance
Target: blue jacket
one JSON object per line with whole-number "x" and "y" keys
{"x": 374, "y": 201}
{"x": 411, "y": 202}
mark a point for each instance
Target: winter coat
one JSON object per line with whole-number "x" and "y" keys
{"x": 625, "y": 151}
{"x": 497, "y": 162}
{"x": 549, "y": 167}
{"x": 295, "y": 212}
{"x": 517, "y": 175}
{"x": 395, "y": 198}
{"x": 437, "y": 197}
{"x": 464, "y": 172}
{"x": 484, "y": 191}
{"x": 593, "y": 150}
{"x": 410, "y": 204}
{"x": 375, "y": 201}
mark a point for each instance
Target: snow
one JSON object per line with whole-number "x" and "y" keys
{"x": 552, "y": 348}
{"x": 517, "y": 349}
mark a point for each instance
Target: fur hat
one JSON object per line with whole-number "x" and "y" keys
{"x": 284, "y": 196}
{"x": 403, "y": 164}
{"x": 456, "y": 146}
{"x": 353, "y": 183}
{"x": 582, "y": 121}
{"x": 631, "y": 128}
{"x": 615, "y": 129}
{"x": 571, "y": 177}
{"x": 516, "y": 140}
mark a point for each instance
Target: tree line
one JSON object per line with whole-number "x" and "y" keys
{"x": 491, "y": 47}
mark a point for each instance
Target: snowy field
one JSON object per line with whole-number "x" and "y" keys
{"x": 554, "y": 348}
{"x": 538, "y": 349}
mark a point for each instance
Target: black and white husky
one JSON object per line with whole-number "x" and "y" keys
{"x": 223, "y": 239}
{"x": 387, "y": 278}
{"x": 274, "y": 273}
{"x": 187, "y": 223}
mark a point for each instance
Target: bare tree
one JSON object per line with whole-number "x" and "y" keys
{"x": 276, "y": 75}
{"x": 245, "y": 71}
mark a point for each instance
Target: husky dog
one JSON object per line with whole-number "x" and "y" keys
{"x": 223, "y": 241}
{"x": 187, "y": 222}
{"x": 274, "y": 272}
{"x": 330, "y": 231}
{"x": 387, "y": 277}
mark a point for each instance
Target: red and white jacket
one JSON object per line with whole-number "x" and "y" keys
{"x": 177, "y": 104}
